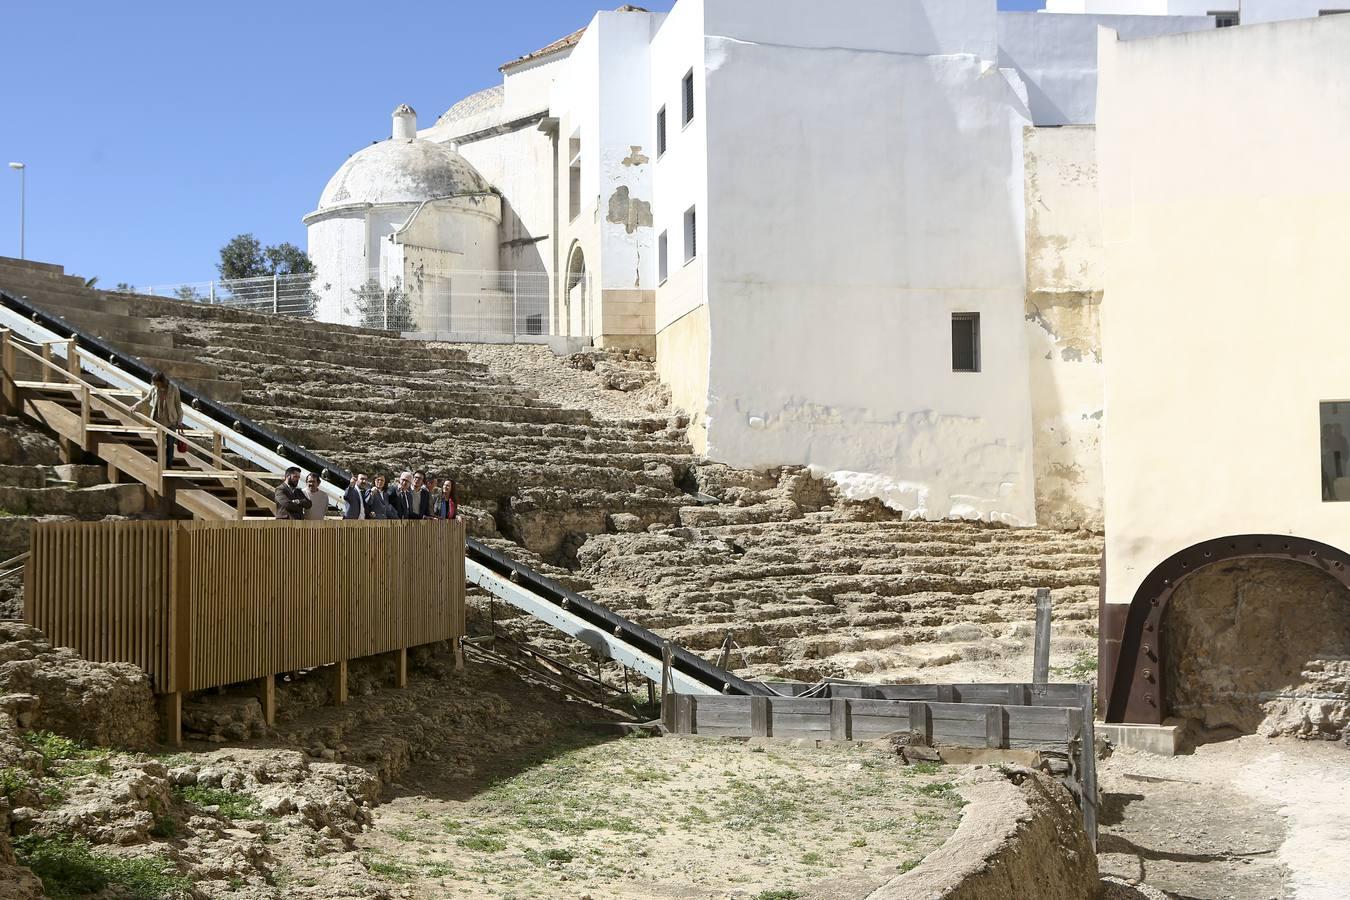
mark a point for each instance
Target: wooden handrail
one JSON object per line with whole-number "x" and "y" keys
{"x": 161, "y": 432}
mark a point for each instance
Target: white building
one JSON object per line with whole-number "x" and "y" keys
{"x": 858, "y": 236}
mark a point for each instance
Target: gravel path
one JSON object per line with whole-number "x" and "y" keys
{"x": 1246, "y": 819}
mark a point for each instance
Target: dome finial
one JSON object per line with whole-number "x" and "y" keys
{"x": 405, "y": 123}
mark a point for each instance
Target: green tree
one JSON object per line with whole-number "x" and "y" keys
{"x": 189, "y": 293}
{"x": 376, "y": 307}
{"x": 244, "y": 256}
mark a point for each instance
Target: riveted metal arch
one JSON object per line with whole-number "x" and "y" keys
{"x": 1132, "y": 661}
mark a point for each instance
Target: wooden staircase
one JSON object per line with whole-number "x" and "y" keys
{"x": 46, "y": 382}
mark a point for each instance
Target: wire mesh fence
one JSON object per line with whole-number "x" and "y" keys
{"x": 463, "y": 304}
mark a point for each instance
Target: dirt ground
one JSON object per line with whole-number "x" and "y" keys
{"x": 632, "y": 818}
{"x": 1245, "y": 819}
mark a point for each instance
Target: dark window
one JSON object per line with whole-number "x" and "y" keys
{"x": 1225, "y": 18}
{"x": 689, "y": 97}
{"x": 1336, "y": 451}
{"x": 660, "y": 132}
{"x": 574, "y": 177}
{"x": 1332, "y": 12}
{"x": 662, "y": 258}
{"x": 965, "y": 342}
{"x": 534, "y": 324}
{"x": 690, "y": 235}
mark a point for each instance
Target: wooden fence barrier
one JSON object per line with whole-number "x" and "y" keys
{"x": 209, "y": 603}
{"x": 1017, "y": 716}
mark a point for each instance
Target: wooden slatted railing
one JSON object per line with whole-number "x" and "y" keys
{"x": 205, "y": 604}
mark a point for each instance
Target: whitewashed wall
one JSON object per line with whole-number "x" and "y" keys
{"x": 1056, "y": 55}
{"x": 1224, "y": 295}
{"x": 1253, "y": 11}
{"x": 832, "y": 276}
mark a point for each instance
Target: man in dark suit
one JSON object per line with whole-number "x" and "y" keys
{"x": 354, "y": 500}
{"x": 401, "y": 496}
{"x": 290, "y": 496}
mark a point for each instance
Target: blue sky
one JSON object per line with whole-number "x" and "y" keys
{"x": 155, "y": 131}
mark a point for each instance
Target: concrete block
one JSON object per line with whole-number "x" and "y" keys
{"x": 1162, "y": 740}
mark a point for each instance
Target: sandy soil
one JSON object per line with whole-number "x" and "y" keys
{"x": 632, "y": 818}
{"x": 1246, "y": 819}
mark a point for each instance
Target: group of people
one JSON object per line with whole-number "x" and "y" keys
{"x": 412, "y": 496}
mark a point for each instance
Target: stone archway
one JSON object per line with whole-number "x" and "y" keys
{"x": 1133, "y": 674}
{"x": 575, "y": 288}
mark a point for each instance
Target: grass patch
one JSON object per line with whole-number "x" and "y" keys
{"x": 1083, "y": 667}
{"x": 230, "y": 804}
{"x": 164, "y": 828}
{"x": 783, "y": 894}
{"x": 389, "y": 869}
{"x": 403, "y": 834}
{"x": 481, "y": 843}
{"x": 553, "y": 854}
{"x": 813, "y": 858}
{"x": 64, "y": 757}
{"x": 70, "y": 869}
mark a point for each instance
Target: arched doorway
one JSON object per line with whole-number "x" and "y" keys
{"x": 1138, "y": 662}
{"x": 574, "y": 292}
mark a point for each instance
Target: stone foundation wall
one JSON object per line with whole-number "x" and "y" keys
{"x": 1260, "y": 645}
{"x": 1020, "y": 836}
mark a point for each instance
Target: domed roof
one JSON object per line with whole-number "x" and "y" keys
{"x": 401, "y": 170}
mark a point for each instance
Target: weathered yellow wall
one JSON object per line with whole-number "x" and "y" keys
{"x": 628, "y": 320}
{"x": 1064, "y": 292}
{"x": 682, "y": 362}
{"x": 1225, "y": 314}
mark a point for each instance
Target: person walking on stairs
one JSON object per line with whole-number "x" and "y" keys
{"x": 165, "y": 406}
{"x": 290, "y": 496}
{"x": 318, "y": 501}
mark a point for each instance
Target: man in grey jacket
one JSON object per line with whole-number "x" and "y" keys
{"x": 165, "y": 406}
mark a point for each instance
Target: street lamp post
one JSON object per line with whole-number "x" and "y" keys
{"x": 22, "y": 179}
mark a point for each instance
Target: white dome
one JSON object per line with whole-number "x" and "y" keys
{"x": 400, "y": 171}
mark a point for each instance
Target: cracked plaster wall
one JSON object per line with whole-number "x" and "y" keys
{"x": 1065, "y": 275}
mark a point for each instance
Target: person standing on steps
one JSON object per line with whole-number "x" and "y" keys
{"x": 377, "y": 500}
{"x": 290, "y": 496}
{"x": 318, "y": 501}
{"x": 165, "y": 406}
{"x": 447, "y": 507}
{"x": 354, "y": 499}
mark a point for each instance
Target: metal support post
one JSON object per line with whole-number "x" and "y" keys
{"x": 515, "y": 302}
{"x": 274, "y": 294}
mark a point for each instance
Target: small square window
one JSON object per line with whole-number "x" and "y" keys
{"x": 660, "y": 132}
{"x": 690, "y": 235}
{"x": 662, "y": 258}
{"x": 1225, "y": 18}
{"x": 965, "y": 342}
{"x": 688, "y": 93}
